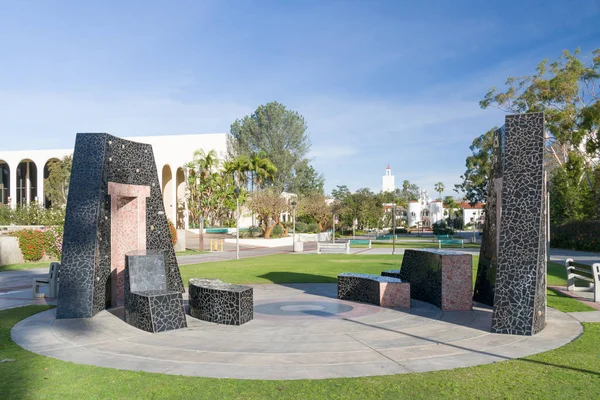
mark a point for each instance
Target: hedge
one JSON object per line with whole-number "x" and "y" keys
{"x": 35, "y": 243}
{"x": 578, "y": 235}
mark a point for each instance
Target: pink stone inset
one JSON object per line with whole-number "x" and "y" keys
{"x": 127, "y": 231}
{"x": 394, "y": 294}
{"x": 457, "y": 282}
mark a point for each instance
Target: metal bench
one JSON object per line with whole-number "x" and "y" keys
{"x": 583, "y": 272}
{"x": 437, "y": 238}
{"x": 379, "y": 290}
{"x": 360, "y": 241}
{"x": 451, "y": 241}
{"x": 51, "y": 282}
{"x": 333, "y": 248}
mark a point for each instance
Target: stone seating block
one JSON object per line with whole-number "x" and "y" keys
{"x": 379, "y": 290}
{"x": 215, "y": 301}
{"x": 442, "y": 278}
{"x": 149, "y": 305}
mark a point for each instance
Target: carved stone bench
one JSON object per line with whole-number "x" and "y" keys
{"x": 379, "y": 290}
{"x": 149, "y": 305}
{"x": 215, "y": 301}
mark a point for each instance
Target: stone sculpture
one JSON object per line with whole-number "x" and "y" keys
{"x": 114, "y": 206}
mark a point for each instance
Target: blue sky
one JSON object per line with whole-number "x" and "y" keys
{"x": 378, "y": 82}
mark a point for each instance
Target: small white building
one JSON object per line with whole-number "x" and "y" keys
{"x": 473, "y": 214}
{"x": 22, "y": 172}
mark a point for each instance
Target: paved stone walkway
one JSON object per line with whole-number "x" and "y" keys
{"x": 299, "y": 331}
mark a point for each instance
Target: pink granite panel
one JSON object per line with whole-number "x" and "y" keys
{"x": 128, "y": 231}
{"x": 394, "y": 294}
{"x": 457, "y": 282}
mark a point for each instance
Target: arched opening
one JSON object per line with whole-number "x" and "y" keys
{"x": 4, "y": 182}
{"x": 180, "y": 182}
{"x": 47, "y": 187}
{"x": 167, "y": 190}
{"x": 26, "y": 182}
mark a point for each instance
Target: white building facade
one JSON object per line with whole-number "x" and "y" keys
{"x": 22, "y": 172}
{"x": 425, "y": 212}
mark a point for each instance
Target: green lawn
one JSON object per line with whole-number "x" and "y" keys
{"x": 324, "y": 268}
{"x": 570, "y": 372}
{"x": 17, "y": 267}
{"x": 290, "y": 268}
{"x": 189, "y": 252}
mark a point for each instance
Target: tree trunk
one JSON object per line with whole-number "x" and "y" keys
{"x": 268, "y": 231}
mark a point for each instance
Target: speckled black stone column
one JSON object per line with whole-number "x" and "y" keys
{"x": 488, "y": 255}
{"x": 100, "y": 158}
{"x": 520, "y": 292}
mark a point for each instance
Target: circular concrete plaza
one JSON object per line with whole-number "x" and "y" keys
{"x": 299, "y": 331}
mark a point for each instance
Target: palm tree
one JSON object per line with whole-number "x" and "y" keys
{"x": 263, "y": 169}
{"x": 204, "y": 163}
{"x": 439, "y": 187}
{"x": 239, "y": 168}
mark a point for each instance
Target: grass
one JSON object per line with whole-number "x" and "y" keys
{"x": 290, "y": 268}
{"x": 324, "y": 268}
{"x": 189, "y": 252}
{"x": 572, "y": 371}
{"x": 19, "y": 267}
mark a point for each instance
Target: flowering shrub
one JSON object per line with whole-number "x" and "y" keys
{"x": 173, "y": 232}
{"x": 32, "y": 243}
{"x": 579, "y": 235}
{"x": 35, "y": 243}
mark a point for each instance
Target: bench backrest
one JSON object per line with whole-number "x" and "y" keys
{"x": 581, "y": 271}
{"x": 146, "y": 272}
{"x": 53, "y": 271}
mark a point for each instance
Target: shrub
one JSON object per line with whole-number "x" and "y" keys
{"x": 578, "y": 235}
{"x": 35, "y": 243}
{"x": 440, "y": 228}
{"x": 173, "y": 232}
{"x": 32, "y": 215}
{"x": 313, "y": 227}
{"x": 54, "y": 241}
{"x": 301, "y": 227}
{"x": 32, "y": 243}
{"x": 277, "y": 231}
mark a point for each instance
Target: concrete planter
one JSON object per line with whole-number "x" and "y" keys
{"x": 10, "y": 252}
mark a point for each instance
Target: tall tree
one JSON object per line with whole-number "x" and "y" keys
{"x": 439, "y": 187}
{"x": 278, "y": 132}
{"x": 567, "y": 91}
{"x": 340, "y": 192}
{"x": 410, "y": 191}
{"x": 56, "y": 186}
{"x": 475, "y": 179}
{"x": 306, "y": 180}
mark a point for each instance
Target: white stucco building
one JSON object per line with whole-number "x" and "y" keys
{"x": 387, "y": 181}
{"x": 425, "y": 210}
{"x": 22, "y": 172}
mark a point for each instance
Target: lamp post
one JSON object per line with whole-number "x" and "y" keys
{"x": 393, "y": 228}
{"x": 294, "y": 226}
{"x": 237, "y": 222}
